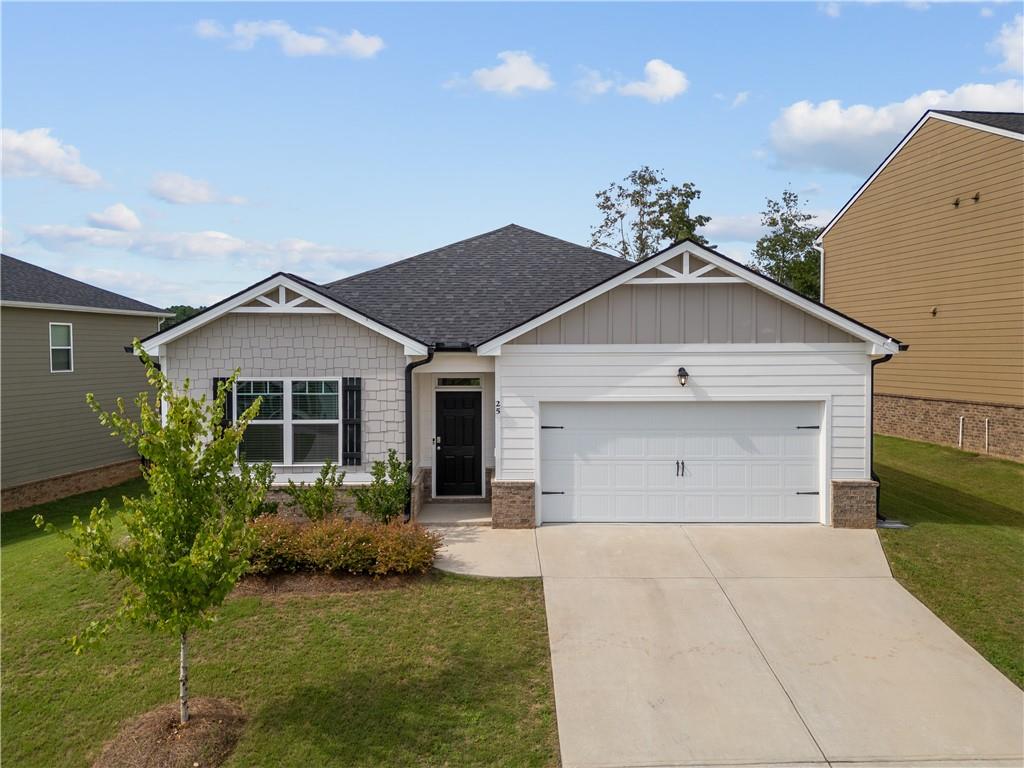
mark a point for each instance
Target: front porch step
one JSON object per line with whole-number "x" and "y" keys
{"x": 454, "y": 514}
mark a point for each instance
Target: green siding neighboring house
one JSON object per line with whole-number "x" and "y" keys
{"x": 51, "y": 443}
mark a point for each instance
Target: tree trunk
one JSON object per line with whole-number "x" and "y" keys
{"x": 183, "y": 680}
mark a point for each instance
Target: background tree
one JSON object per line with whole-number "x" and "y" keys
{"x": 181, "y": 546}
{"x": 786, "y": 252}
{"x": 644, "y": 213}
{"x": 182, "y": 312}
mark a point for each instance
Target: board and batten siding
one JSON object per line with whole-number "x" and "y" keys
{"x": 48, "y": 429}
{"x": 902, "y": 249}
{"x": 684, "y": 314}
{"x": 275, "y": 346}
{"x": 835, "y": 374}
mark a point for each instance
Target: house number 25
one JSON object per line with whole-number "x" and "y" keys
{"x": 497, "y": 406}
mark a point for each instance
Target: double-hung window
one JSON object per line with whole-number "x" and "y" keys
{"x": 299, "y": 421}
{"x": 61, "y": 355}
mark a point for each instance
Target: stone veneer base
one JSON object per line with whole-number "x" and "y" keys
{"x": 512, "y": 504}
{"x": 853, "y": 503}
{"x": 938, "y": 421}
{"x": 53, "y": 488}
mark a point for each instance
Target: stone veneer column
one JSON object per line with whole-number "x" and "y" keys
{"x": 512, "y": 504}
{"x": 853, "y": 503}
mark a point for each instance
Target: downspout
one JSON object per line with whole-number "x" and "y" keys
{"x": 408, "y": 424}
{"x": 871, "y": 436}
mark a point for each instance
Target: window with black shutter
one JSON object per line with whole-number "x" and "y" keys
{"x": 351, "y": 425}
{"x": 229, "y": 415}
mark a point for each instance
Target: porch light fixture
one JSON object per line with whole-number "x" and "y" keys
{"x": 682, "y": 375}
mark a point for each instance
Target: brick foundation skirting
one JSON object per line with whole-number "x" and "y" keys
{"x": 53, "y": 488}
{"x": 512, "y": 504}
{"x": 938, "y": 421}
{"x": 420, "y": 491}
{"x": 853, "y": 503}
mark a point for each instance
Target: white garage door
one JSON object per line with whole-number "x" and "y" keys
{"x": 680, "y": 462}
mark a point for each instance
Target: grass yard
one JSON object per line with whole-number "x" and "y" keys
{"x": 448, "y": 671}
{"x": 964, "y": 555}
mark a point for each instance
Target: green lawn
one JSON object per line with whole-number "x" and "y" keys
{"x": 447, "y": 671}
{"x": 963, "y": 557}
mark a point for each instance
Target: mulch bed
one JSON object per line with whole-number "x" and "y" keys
{"x": 283, "y": 584}
{"x": 156, "y": 740}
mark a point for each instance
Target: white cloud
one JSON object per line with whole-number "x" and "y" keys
{"x": 740, "y": 99}
{"x": 209, "y": 29}
{"x": 36, "y": 153}
{"x": 733, "y": 227}
{"x": 1009, "y": 44}
{"x": 662, "y": 82}
{"x": 312, "y": 260}
{"x": 180, "y": 189}
{"x": 117, "y": 216}
{"x": 832, "y": 10}
{"x": 517, "y": 72}
{"x": 985, "y": 12}
{"x": 325, "y": 41}
{"x": 593, "y": 83}
{"x": 918, "y": 5}
{"x": 855, "y": 139}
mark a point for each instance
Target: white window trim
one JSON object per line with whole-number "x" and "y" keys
{"x": 288, "y": 422}
{"x": 70, "y": 348}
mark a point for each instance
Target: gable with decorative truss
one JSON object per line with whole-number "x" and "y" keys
{"x": 280, "y": 294}
{"x": 691, "y": 295}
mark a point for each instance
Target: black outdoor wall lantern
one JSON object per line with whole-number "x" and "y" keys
{"x": 682, "y": 376}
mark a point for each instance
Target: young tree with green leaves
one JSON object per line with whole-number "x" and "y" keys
{"x": 644, "y": 213}
{"x": 181, "y": 546}
{"x": 786, "y": 253}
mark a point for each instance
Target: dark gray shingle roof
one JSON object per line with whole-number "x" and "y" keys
{"x": 1008, "y": 121}
{"x": 21, "y": 281}
{"x": 473, "y": 290}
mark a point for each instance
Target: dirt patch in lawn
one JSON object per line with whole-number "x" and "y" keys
{"x": 156, "y": 740}
{"x": 283, "y": 584}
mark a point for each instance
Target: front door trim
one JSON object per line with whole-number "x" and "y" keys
{"x": 433, "y": 450}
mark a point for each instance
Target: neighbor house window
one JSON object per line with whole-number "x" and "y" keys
{"x": 300, "y": 421}
{"x": 61, "y": 356}
{"x": 264, "y": 437}
{"x": 314, "y": 427}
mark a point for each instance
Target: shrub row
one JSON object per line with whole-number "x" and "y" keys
{"x": 335, "y": 545}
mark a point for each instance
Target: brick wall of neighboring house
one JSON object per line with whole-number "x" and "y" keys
{"x": 938, "y": 421}
{"x": 302, "y": 346}
{"x": 512, "y": 504}
{"x": 853, "y": 503}
{"x": 53, "y": 488}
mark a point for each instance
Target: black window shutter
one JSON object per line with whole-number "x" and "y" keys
{"x": 229, "y": 415}
{"x": 351, "y": 421}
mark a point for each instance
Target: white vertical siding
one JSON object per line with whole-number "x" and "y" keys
{"x": 836, "y": 374}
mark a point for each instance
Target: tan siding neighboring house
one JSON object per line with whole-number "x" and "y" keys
{"x": 51, "y": 443}
{"x": 946, "y": 279}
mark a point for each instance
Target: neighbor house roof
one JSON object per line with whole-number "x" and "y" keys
{"x": 24, "y": 284}
{"x": 1007, "y": 121}
{"x": 1006, "y": 124}
{"x": 475, "y": 289}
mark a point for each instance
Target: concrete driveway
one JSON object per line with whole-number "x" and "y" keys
{"x": 758, "y": 645}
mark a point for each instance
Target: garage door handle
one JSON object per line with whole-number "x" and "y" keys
{"x": 807, "y": 493}
{"x": 552, "y": 493}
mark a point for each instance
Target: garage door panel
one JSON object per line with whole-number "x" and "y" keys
{"x": 742, "y": 462}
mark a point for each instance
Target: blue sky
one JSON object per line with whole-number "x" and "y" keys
{"x": 179, "y": 152}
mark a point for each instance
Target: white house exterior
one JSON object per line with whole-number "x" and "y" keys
{"x": 685, "y": 388}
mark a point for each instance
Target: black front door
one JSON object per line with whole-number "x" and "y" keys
{"x": 457, "y": 444}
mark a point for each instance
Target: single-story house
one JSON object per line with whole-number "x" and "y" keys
{"x": 561, "y": 383}
{"x": 61, "y": 339}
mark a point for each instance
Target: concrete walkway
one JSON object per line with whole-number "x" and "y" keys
{"x": 747, "y": 645}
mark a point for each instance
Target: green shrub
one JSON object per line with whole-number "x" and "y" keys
{"x": 384, "y": 498}
{"x": 318, "y": 500}
{"x": 335, "y": 545}
{"x": 252, "y": 476}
